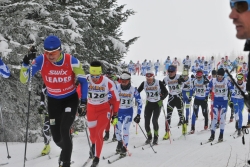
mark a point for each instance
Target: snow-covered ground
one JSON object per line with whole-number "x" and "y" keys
{"x": 185, "y": 152}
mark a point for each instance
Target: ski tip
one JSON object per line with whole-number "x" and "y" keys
{"x": 211, "y": 144}
{"x": 103, "y": 157}
{"x": 134, "y": 147}
{"x": 201, "y": 143}
{"x": 142, "y": 148}
{"x": 109, "y": 162}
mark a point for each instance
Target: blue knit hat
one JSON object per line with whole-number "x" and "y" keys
{"x": 171, "y": 68}
{"x": 52, "y": 43}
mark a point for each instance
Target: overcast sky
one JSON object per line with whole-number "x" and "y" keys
{"x": 177, "y": 28}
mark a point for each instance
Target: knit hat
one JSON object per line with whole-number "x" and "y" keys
{"x": 52, "y": 43}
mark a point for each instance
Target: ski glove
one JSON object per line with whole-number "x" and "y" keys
{"x": 41, "y": 109}
{"x": 114, "y": 120}
{"x": 82, "y": 110}
{"x": 160, "y": 103}
{"x": 137, "y": 118}
{"x": 27, "y": 58}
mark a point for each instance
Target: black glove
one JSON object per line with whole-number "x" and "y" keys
{"x": 192, "y": 76}
{"x": 82, "y": 109}
{"x": 190, "y": 99}
{"x": 206, "y": 98}
{"x": 137, "y": 118}
{"x": 180, "y": 80}
{"x": 206, "y": 81}
{"x": 27, "y": 58}
{"x": 114, "y": 119}
{"x": 41, "y": 109}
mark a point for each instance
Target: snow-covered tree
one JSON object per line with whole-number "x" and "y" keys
{"x": 89, "y": 30}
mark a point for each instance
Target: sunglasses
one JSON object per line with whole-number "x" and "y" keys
{"x": 220, "y": 76}
{"x": 240, "y": 6}
{"x": 170, "y": 71}
{"x": 198, "y": 77}
{"x": 95, "y": 76}
{"x": 148, "y": 75}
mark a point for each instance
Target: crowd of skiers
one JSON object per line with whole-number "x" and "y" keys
{"x": 105, "y": 97}
{"x": 207, "y": 66}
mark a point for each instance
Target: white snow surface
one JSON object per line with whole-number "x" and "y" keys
{"x": 185, "y": 152}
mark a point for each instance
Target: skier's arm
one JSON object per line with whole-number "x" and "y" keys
{"x": 4, "y": 70}
{"x": 138, "y": 100}
{"x": 36, "y": 66}
{"x": 115, "y": 100}
{"x": 80, "y": 76}
{"x": 164, "y": 91}
{"x": 141, "y": 87}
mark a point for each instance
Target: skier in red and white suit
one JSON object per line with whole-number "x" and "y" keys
{"x": 98, "y": 107}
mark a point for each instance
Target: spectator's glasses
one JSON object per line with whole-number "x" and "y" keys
{"x": 240, "y": 77}
{"x": 149, "y": 75}
{"x": 198, "y": 77}
{"x": 170, "y": 71}
{"x": 95, "y": 76}
{"x": 240, "y": 6}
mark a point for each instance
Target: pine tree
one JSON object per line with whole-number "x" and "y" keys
{"x": 89, "y": 30}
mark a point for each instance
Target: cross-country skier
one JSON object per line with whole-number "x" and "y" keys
{"x": 125, "y": 114}
{"x": 244, "y": 70}
{"x": 59, "y": 71}
{"x": 238, "y": 101}
{"x": 144, "y": 67}
{"x": 175, "y": 62}
{"x": 198, "y": 61}
{"x": 221, "y": 87}
{"x": 167, "y": 63}
{"x": 195, "y": 68}
{"x": 205, "y": 67}
{"x": 186, "y": 92}
{"x": 156, "y": 66}
{"x": 201, "y": 90}
{"x": 4, "y": 70}
{"x": 98, "y": 106}
{"x": 174, "y": 82}
{"x": 156, "y": 92}
{"x": 187, "y": 63}
{"x": 137, "y": 67}
{"x": 211, "y": 62}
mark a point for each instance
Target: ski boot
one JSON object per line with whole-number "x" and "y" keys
{"x": 92, "y": 151}
{"x": 95, "y": 162}
{"x": 184, "y": 129}
{"x": 236, "y": 125}
{"x": 220, "y": 139}
{"x": 205, "y": 127}
{"x": 106, "y": 136}
{"x": 149, "y": 139}
{"x": 114, "y": 138}
{"x": 166, "y": 136}
{"x": 196, "y": 118}
{"x": 211, "y": 137}
{"x": 119, "y": 147}
{"x": 45, "y": 150}
{"x": 192, "y": 130}
{"x": 239, "y": 132}
{"x": 186, "y": 122}
{"x": 123, "y": 151}
{"x": 155, "y": 141}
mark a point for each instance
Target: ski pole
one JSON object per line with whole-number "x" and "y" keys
{"x": 5, "y": 137}
{"x": 86, "y": 129}
{"x": 136, "y": 131}
{"x": 147, "y": 138}
{"x": 167, "y": 125}
{"x": 27, "y": 127}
